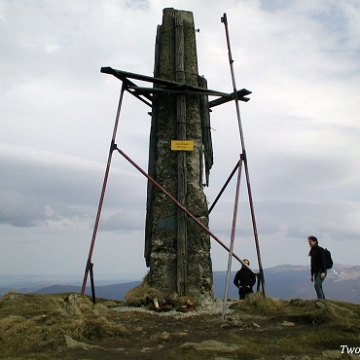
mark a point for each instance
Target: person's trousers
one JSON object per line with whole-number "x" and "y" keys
{"x": 318, "y": 281}
{"x": 243, "y": 292}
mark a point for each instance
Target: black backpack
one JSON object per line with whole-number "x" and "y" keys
{"x": 329, "y": 260}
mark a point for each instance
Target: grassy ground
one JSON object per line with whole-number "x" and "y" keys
{"x": 51, "y": 327}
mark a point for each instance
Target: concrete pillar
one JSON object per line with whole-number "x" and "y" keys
{"x": 177, "y": 251}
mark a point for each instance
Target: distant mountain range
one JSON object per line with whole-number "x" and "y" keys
{"x": 281, "y": 282}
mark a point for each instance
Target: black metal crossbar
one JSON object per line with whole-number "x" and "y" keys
{"x": 167, "y": 86}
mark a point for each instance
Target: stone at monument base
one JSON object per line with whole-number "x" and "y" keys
{"x": 145, "y": 296}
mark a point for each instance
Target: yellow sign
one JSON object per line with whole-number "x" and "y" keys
{"x": 182, "y": 145}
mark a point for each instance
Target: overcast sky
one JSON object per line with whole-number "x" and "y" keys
{"x": 300, "y": 59}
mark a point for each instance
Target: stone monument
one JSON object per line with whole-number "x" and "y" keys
{"x": 177, "y": 250}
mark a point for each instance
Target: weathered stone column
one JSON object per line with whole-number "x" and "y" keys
{"x": 176, "y": 249}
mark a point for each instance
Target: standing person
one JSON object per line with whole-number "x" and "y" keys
{"x": 244, "y": 280}
{"x": 318, "y": 266}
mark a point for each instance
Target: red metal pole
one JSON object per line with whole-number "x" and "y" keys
{"x": 178, "y": 204}
{"x": 232, "y": 240}
{"x": 254, "y": 227}
{"x": 231, "y": 61}
{"x": 224, "y": 187}
{"x": 96, "y": 225}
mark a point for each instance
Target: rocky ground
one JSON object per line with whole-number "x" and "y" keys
{"x": 289, "y": 330}
{"x": 205, "y": 335}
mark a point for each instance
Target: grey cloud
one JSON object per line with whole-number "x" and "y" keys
{"x": 125, "y": 220}
{"x": 20, "y": 210}
{"x": 141, "y": 4}
{"x": 37, "y": 191}
{"x": 332, "y": 220}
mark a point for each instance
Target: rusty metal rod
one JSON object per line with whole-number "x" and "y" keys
{"x": 231, "y": 61}
{"x": 225, "y": 186}
{"x": 102, "y": 195}
{"x": 232, "y": 238}
{"x": 179, "y": 205}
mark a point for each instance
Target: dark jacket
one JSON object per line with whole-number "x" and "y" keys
{"x": 318, "y": 260}
{"x": 244, "y": 277}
